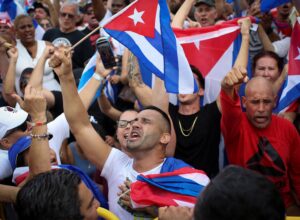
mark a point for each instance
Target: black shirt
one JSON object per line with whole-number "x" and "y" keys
{"x": 198, "y": 145}
{"x": 82, "y": 52}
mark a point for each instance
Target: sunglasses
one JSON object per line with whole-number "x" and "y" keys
{"x": 65, "y": 15}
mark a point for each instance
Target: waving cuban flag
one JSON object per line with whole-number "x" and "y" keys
{"x": 177, "y": 188}
{"x": 213, "y": 50}
{"x": 291, "y": 89}
{"x": 144, "y": 27}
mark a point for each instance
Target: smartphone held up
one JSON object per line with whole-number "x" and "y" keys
{"x": 106, "y": 53}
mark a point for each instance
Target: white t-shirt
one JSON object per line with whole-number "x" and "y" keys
{"x": 282, "y": 47}
{"x": 60, "y": 130}
{"x": 117, "y": 167}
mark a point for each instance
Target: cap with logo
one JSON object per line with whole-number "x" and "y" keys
{"x": 11, "y": 118}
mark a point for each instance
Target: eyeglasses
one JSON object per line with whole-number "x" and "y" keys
{"x": 124, "y": 123}
{"x": 65, "y": 15}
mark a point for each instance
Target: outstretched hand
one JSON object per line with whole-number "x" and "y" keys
{"x": 61, "y": 61}
{"x": 34, "y": 102}
{"x": 100, "y": 68}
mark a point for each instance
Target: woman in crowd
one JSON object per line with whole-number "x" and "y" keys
{"x": 30, "y": 50}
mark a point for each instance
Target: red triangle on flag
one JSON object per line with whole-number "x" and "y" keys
{"x": 138, "y": 17}
{"x": 294, "y": 53}
{"x": 205, "y": 54}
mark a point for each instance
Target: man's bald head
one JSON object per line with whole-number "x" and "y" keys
{"x": 257, "y": 83}
{"x": 259, "y": 102}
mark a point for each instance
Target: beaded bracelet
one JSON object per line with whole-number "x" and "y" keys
{"x": 40, "y": 136}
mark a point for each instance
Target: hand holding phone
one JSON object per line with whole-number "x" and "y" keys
{"x": 105, "y": 51}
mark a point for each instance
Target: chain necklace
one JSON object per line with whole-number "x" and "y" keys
{"x": 187, "y": 132}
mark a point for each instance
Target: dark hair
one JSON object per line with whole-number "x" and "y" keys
{"x": 162, "y": 113}
{"x": 23, "y": 81}
{"x": 50, "y": 195}
{"x": 201, "y": 80}
{"x": 236, "y": 193}
{"x": 42, "y": 6}
{"x": 270, "y": 54}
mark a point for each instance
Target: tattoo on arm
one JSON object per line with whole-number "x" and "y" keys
{"x": 134, "y": 75}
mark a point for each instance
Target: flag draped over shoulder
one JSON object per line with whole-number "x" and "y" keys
{"x": 178, "y": 188}
{"x": 291, "y": 88}
{"x": 213, "y": 50}
{"x": 144, "y": 28}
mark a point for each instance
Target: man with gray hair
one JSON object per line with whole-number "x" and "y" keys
{"x": 68, "y": 35}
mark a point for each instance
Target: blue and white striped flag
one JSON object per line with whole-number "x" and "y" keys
{"x": 144, "y": 28}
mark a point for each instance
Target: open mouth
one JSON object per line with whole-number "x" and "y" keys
{"x": 261, "y": 119}
{"x": 134, "y": 135}
{"x": 203, "y": 21}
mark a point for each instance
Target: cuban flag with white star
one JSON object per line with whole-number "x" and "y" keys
{"x": 144, "y": 28}
{"x": 291, "y": 87}
{"x": 177, "y": 188}
{"x": 213, "y": 50}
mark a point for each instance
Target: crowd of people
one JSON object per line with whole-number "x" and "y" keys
{"x": 64, "y": 153}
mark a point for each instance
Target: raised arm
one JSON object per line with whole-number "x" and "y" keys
{"x": 95, "y": 149}
{"x": 56, "y": 7}
{"x": 267, "y": 44}
{"x": 39, "y": 154}
{"x": 140, "y": 89}
{"x": 182, "y": 14}
{"x": 242, "y": 58}
{"x": 279, "y": 82}
{"x": 36, "y": 78}
{"x": 107, "y": 109}
{"x": 53, "y": 13}
{"x": 114, "y": 79}
{"x": 160, "y": 99}
{"x": 10, "y": 77}
{"x": 238, "y": 74}
{"x": 88, "y": 93}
